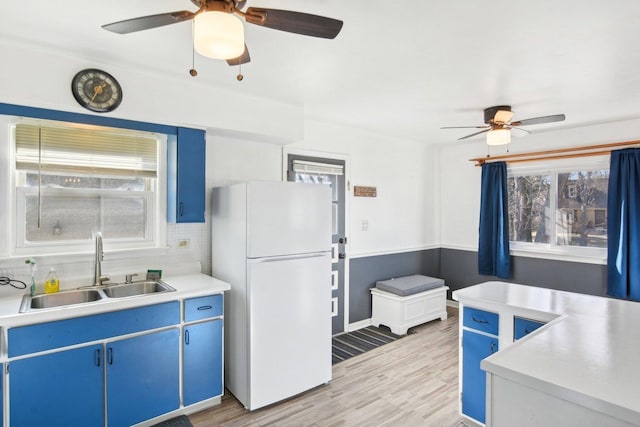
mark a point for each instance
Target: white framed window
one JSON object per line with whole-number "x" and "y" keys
{"x": 72, "y": 180}
{"x": 559, "y": 207}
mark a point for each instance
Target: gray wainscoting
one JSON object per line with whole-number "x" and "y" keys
{"x": 365, "y": 272}
{"x": 459, "y": 269}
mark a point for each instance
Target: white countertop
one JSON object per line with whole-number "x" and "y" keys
{"x": 186, "y": 286}
{"x": 589, "y": 354}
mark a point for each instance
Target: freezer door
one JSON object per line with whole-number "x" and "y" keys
{"x": 285, "y": 218}
{"x": 290, "y": 326}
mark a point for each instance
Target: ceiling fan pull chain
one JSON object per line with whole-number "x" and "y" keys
{"x": 193, "y": 71}
{"x": 239, "y": 76}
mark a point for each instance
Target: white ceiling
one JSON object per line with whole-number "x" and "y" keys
{"x": 399, "y": 68}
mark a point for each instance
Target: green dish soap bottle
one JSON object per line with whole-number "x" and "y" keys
{"x": 52, "y": 285}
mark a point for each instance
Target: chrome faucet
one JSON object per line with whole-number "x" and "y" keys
{"x": 98, "y": 277}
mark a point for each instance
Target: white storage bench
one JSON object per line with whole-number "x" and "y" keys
{"x": 408, "y": 301}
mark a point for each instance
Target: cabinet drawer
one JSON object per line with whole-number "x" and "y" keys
{"x": 62, "y": 333}
{"x": 523, "y": 327}
{"x": 480, "y": 320}
{"x": 203, "y": 307}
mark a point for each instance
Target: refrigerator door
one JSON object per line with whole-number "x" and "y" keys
{"x": 286, "y": 218}
{"x": 290, "y": 326}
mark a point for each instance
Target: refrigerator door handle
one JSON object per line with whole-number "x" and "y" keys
{"x": 289, "y": 257}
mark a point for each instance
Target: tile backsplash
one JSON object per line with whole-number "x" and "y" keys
{"x": 187, "y": 247}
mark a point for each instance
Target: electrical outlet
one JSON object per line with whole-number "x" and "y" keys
{"x": 364, "y": 225}
{"x": 184, "y": 243}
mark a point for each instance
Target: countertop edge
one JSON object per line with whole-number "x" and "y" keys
{"x": 186, "y": 286}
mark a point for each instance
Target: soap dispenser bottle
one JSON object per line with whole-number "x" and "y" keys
{"x": 52, "y": 285}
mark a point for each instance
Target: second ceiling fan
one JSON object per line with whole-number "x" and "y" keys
{"x": 218, "y": 32}
{"x": 498, "y": 122}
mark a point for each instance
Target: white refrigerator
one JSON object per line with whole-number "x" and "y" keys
{"x": 272, "y": 242}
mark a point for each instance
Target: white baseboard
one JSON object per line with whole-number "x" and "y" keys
{"x": 452, "y": 303}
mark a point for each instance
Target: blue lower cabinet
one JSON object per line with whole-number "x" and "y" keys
{"x": 142, "y": 377}
{"x": 475, "y": 347}
{"x": 523, "y": 327}
{"x": 202, "y": 361}
{"x": 58, "y": 389}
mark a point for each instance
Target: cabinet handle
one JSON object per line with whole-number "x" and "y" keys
{"x": 186, "y": 337}
{"x": 110, "y": 356}
{"x": 181, "y": 208}
{"x": 527, "y": 331}
{"x": 479, "y": 320}
{"x": 493, "y": 347}
{"x": 204, "y": 307}
{"x": 98, "y": 359}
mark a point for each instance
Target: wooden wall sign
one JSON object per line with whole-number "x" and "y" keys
{"x": 360, "y": 191}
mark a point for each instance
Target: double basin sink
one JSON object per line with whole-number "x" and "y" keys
{"x": 86, "y": 295}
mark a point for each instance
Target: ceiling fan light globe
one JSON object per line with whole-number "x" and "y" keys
{"x": 498, "y": 137}
{"x": 218, "y": 35}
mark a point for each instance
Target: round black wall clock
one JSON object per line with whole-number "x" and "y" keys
{"x": 96, "y": 90}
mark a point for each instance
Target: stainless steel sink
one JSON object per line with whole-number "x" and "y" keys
{"x": 89, "y": 294}
{"x": 137, "y": 288}
{"x": 79, "y": 296}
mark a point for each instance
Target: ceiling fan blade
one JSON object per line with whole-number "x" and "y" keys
{"x": 539, "y": 120}
{"x": 502, "y": 116}
{"x": 465, "y": 127}
{"x": 148, "y": 22}
{"x": 474, "y": 134}
{"x": 294, "y": 22}
{"x": 242, "y": 59}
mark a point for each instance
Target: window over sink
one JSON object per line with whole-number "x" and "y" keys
{"x": 72, "y": 180}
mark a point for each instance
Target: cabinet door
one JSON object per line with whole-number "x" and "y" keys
{"x": 142, "y": 377}
{"x": 186, "y": 161}
{"x": 58, "y": 389}
{"x": 523, "y": 327}
{"x": 202, "y": 361}
{"x": 475, "y": 347}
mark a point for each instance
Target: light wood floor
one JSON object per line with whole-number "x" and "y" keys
{"x": 409, "y": 382}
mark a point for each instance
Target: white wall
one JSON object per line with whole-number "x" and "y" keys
{"x": 244, "y": 142}
{"x": 460, "y": 179}
{"x": 404, "y": 215}
{"x": 42, "y": 78}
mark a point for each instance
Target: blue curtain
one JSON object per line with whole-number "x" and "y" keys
{"x": 623, "y": 225}
{"x": 493, "y": 245}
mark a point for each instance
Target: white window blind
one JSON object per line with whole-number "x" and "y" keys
{"x": 98, "y": 151}
{"x": 302, "y": 166}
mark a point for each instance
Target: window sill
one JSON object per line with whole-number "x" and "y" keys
{"x": 588, "y": 257}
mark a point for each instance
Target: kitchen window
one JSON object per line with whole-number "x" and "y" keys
{"x": 561, "y": 209}
{"x": 73, "y": 180}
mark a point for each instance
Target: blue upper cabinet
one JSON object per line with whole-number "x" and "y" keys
{"x": 186, "y": 161}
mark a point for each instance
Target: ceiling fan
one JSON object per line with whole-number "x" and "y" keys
{"x": 218, "y": 32}
{"x": 498, "y": 124}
